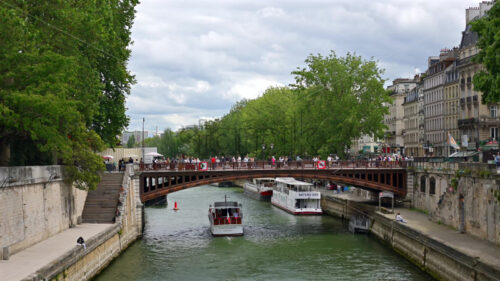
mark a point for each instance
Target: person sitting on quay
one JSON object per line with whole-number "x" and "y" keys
{"x": 81, "y": 242}
{"x": 399, "y": 218}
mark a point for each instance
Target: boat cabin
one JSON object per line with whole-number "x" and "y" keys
{"x": 304, "y": 194}
{"x": 267, "y": 182}
{"x": 226, "y": 213}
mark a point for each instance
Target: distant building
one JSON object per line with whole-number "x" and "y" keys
{"x": 137, "y": 136}
{"x": 394, "y": 140}
{"x": 365, "y": 144}
{"x": 413, "y": 106}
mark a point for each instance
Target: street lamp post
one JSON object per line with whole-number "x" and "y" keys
{"x": 263, "y": 148}
{"x": 143, "y": 155}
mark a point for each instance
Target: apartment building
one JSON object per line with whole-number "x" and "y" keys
{"x": 451, "y": 104}
{"x": 413, "y": 134}
{"x": 434, "y": 102}
{"x": 394, "y": 139}
{"x": 478, "y": 123}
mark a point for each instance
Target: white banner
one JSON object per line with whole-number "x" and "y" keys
{"x": 309, "y": 195}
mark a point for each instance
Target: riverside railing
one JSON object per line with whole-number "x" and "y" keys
{"x": 268, "y": 165}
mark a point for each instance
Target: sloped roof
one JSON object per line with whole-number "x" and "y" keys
{"x": 469, "y": 37}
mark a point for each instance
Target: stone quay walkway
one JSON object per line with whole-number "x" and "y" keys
{"x": 26, "y": 262}
{"x": 487, "y": 252}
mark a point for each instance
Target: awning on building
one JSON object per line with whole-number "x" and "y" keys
{"x": 463, "y": 154}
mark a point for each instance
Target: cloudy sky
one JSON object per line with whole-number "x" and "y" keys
{"x": 194, "y": 59}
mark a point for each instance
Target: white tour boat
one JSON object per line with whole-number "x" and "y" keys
{"x": 296, "y": 197}
{"x": 259, "y": 188}
{"x": 226, "y": 219}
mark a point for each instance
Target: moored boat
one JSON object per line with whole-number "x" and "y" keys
{"x": 259, "y": 188}
{"x": 296, "y": 197}
{"x": 226, "y": 219}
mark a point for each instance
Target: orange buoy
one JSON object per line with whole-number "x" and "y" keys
{"x": 175, "y": 206}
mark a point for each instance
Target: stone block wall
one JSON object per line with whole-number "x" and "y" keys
{"x": 477, "y": 185}
{"x": 35, "y": 204}
{"x": 83, "y": 264}
{"x": 439, "y": 260}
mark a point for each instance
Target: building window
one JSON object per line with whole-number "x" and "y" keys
{"x": 493, "y": 133}
{"x": 432, "y": 186}
{"x": 493, "y": 111}
{"x": 422, "y": 184}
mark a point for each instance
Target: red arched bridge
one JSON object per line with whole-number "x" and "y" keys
{"x": 160, "y": 179}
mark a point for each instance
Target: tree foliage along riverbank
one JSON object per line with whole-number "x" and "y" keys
{"x": 488, "y": 29}
{"x": 333, "y": 100}
{"x": 63, "y": 82}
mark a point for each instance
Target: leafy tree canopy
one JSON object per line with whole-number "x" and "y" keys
{"x": 488, "y": 29}
{"x": 131, "y": 141}
{"x": 63, "y": 81}
{"x": 341, "y": 98}
{"x": 332, "y": 101}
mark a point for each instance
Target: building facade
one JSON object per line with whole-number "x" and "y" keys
{"x": 435, "y": 134}
{"x": 394, "y": 139}
{"x": 478, "y": 123}
{"x": 451, "y": 105}
{"x": 137, "y": 136}
{"x": 365, "y": 144}
{"x": 414, "y": 133}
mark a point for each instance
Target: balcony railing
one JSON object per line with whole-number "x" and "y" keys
{"x": 488, "y": 120}
{"x": 466, "y": 122}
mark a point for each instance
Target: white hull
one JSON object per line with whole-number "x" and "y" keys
{"x": 226, "y": 219}
{"x": 252, "y": 191}
{"x": 227, "y": 230}
{"x": 296, "y": 197}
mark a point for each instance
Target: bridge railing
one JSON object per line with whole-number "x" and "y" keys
{"x": 268, "y": 165}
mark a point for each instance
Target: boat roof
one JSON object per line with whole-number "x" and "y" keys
{"x": 226, "y": 204}
{"x": 292, "y": 181}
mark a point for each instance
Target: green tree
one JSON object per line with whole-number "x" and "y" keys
{"x": 131, "y": 141}
{"x": 488, "y": 29}
{"x": 56, "y": 61}
{"x": 341, "y": 98}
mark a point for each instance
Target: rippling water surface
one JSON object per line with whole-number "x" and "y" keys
{"x": 276, "y": 246}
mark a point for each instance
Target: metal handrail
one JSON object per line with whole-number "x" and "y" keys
{"x": 268, "y": 165}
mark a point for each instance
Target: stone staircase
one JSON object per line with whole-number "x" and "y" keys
{"x": 101, "y": 203}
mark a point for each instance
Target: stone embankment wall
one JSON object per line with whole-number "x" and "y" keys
{"x": 435, "y": 193}
{"x": 35, "y": 204}
{"x": 83, "y": 264}
{"x": 438, "y": 259}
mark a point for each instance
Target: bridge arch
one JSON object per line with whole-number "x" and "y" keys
{"x": 154, "y": 184}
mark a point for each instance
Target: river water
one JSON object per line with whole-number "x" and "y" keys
{"x": 276, "y": 246}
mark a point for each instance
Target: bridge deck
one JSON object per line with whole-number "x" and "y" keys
{"x": 160, "y": 179}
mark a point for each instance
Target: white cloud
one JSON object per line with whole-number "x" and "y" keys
{"x": 250, "y": 89}
{"x": 196, "y": 58}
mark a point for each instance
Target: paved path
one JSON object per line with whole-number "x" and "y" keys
{"x": 487, "y": 252}
{"x": 29, "y": 260}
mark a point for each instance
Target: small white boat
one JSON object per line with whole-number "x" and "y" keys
{"x": 259, "y": 188}
{"x": 296, "y": 197}
{"x": 226, "y": 219}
